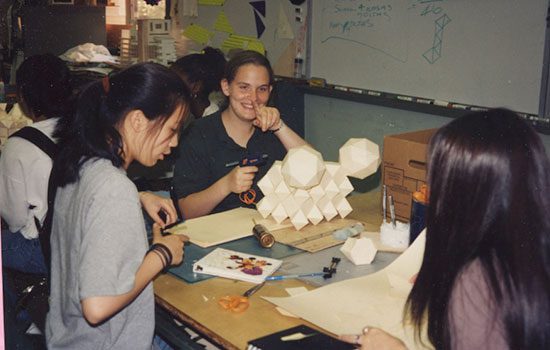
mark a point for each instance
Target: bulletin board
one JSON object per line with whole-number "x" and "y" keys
{"x": 276, "y": 27}
{"x": 483, "y": 53}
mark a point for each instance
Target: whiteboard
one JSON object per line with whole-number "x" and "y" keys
{"x": 477, "y": 52}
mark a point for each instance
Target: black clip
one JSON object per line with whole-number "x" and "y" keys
{"x": 329, "y": 271}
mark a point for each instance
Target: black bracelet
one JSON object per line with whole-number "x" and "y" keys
{"x": 161, "y": 257}
{"x": 165, "y": 251}
{"x": 280, "y": 126}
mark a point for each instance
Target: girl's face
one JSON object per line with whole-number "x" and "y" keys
{"x": 250, "y": 85}
{"x": 154, "y": 144}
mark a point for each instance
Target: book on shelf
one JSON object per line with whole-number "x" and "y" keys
{"x": 236, "y": 265}
{"x": 298, "y": 338}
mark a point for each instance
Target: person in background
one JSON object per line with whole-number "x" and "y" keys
{"x": 101, "y": 271}
{"x": 44, "y": 93}
{"x": 206, "y": 177}
{"x": 202, "y": 72}
{"x": 484, "y": 282}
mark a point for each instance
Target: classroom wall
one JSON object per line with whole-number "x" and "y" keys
{"x": 330, "y": 122}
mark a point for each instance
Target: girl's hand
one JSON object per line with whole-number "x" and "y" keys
{"x": 240, "y": 179}
{"x": 374, "y": 339}
{"x": 267, "y": 118}
{"x": 174, "y": 242}
{"x": 153, "y": 204}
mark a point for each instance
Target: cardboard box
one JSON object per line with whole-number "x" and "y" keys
{"x": 404, "y": 168}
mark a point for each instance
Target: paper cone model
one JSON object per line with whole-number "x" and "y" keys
{"x": 303, "y": 167}
{"x": 329, "y": 186}
{"x": 359, "y": 251}
{"x": 359, "y": 157}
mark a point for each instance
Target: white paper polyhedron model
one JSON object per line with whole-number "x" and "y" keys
{"x": 329, "y": 186}
{"x": 311, "y": 211}
{"x": 342, "y": 205}
{"x": 327, "y": 208}
{"x": 303, "y": 167}
{"x": 266, "y": 205}
{"x": 290, "y": 205}
{"x": 266, "y": 186}
{"x": 359, "y": 157}
{"x": 279, "y": 213}
{"x": 316, "y": 193}
{"x": 300, "y": 196}
{"x": 299, "y": 220}
{"x": 359, "y": 251}
{"x": 282, "y": 191}
{"x": 274, "y": 173}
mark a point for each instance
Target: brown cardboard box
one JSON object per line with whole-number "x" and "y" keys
{"x": 404, "y": 168}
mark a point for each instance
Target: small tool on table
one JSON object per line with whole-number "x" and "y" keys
{"x": 265, "y": 238}
{"x": 239, "y": 303}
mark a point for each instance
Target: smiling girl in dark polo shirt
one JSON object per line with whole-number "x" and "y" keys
{"x": 202, "y": 182}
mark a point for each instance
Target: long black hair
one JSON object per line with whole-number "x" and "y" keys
{"x": 103, "y": 105}
{"x": 489, "y": 202}
{"x": 44, "y": 87}
{"x": 205, "y": 68}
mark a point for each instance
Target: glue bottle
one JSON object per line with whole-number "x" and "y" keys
{"x": 298, "y": 64}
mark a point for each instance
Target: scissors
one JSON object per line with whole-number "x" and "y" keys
{"x": 238, "y": 303}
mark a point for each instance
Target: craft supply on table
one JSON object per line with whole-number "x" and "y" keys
{"x": 237, "y": 265}
{"x": 265, "y": 238}
{"x": 346, "y": 232}
{"x": 418, "y": 212}
{"x": 395, "y": 236}
{"x": 313, "y": 238}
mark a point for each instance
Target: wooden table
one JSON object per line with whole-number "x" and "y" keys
{"x": 197, "y": 304}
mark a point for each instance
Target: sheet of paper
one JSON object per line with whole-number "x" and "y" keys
{"x": 197, "y": 33}
{"x": 222, "y": 227}
{"x": 222, "y": 24}
{"x": 346, "y": 307}
{"x": 243, "y": 42}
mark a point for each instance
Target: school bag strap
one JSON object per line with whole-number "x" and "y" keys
{"x": 44, "y": 143}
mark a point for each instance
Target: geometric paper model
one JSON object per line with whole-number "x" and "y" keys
{"x": 359, "y": 251}
{"x": 303, "y": 167}
{"x": 306, "y": 189}
{"x": 360, "y": 157}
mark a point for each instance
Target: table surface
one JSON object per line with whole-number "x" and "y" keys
{"x": 197, "y": 304}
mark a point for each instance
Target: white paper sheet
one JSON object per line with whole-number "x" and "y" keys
{"x": 375, "y": 300}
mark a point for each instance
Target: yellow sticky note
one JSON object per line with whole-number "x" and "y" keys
{"x": 211, "y": 2}
{"x": 222, "y": 24}
{"x": 197, "y": 33}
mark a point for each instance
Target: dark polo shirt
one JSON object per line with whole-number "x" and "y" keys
{"x": 205, "y": 149}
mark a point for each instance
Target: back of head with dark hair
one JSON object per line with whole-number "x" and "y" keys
{"x": 243, "y": 58}
{"x": 44, "y": 87}
{"x": 102, "y": 107}
{"x": 489, "y": 184}
{"x": 205, "y": 68}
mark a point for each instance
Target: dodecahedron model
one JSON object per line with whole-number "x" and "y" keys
{"x": 359, "y": 251}
{"x": 359, "y": 158}
{"x": 303, "y": 167}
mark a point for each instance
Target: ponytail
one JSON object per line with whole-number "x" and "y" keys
{"x": 102, "y": 106}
